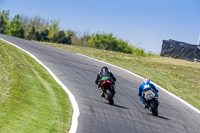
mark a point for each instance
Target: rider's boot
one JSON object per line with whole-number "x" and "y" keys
{"x": 113, "y": 90}
{"x": 146, "y": 106}
{"x": 144, "y": 102}
{"x": 101, "y": 92}
{"x": 156, "y": 101}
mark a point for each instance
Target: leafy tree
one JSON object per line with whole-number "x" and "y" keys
{"x": 40, "y": 27}
{"x": 139, "y": 51}
{"x": 61, "y": 37}
{"x": 122, "y": 46}
{"x": 71, "y": 37}
{"x": 44, "y": 35}
{"x": 32, "y": 35}
{"x": 26, "y": 26}
{"x": 15, "y": 28}
{"x": 53, "y": 30}
{"x": 109, "y": 42}
{"x": 4, "y": 21}
{"x": 104, "y": 41}
{"x": 83, "y": 41}
{"x": 96, "y": 41}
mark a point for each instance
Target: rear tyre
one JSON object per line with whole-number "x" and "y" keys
{"x": 110, "y": 97}
{"x": 154, "y": 108}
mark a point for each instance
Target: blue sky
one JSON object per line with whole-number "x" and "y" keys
{"x": 144, "y": 23}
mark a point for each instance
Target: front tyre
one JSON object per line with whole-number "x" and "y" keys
{"x": 110, "y": 97}
{"x": 154, "y": 108}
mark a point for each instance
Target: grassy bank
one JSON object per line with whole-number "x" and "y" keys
{"x": 178, "y": 76}
{"x": 30, "y": 99}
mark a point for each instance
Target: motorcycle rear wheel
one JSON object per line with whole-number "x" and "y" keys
{"x": 110, "y": 97}
{"x": 154, "y": 108}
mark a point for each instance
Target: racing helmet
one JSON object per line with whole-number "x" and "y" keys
{"x": 104, "y": 70}
{"x": 146, "y": 80}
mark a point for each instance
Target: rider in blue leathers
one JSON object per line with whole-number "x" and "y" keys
{"x": 146, "y": 85}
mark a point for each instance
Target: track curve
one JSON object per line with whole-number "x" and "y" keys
{"x": 128, "y": 114}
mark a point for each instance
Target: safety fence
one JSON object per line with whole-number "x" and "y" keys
{"x": 180, "y": 50}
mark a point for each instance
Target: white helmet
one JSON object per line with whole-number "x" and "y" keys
{"x": 146, "y": 80}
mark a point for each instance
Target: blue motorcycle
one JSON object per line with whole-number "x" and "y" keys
{"x": 152, "y": 101}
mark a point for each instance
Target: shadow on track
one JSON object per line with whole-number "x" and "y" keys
{"x": 119, "y": 106}
{"x": 161, "y": 117}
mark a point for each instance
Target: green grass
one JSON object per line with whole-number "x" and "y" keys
{"x": 30, "y": 99}
{"x": 178, "y": 76}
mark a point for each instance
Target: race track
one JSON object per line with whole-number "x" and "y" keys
{"x": 128, "y": 115}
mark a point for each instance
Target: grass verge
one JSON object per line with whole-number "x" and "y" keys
{"x": 30, "y": 99}
{"x": 177, "y": 76}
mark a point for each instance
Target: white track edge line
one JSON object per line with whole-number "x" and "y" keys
{"x": 73, "y": 101}
{"x": 173, "y": 95}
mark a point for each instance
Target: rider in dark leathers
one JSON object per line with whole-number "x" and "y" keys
{"x": 146, "y": 84}
{"x": 105, "y": 72}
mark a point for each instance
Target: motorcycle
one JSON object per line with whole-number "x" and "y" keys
{"x": 108, "y": 91}
{"x": 152, "y": 101}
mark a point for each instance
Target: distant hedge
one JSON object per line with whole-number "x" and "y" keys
{"x": 39, "y": 29}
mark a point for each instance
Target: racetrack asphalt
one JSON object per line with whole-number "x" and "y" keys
{"x": 127, "y": 115}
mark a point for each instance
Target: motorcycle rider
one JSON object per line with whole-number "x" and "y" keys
{"x": 105, "y": 72}
{"x": 146, "y": 85}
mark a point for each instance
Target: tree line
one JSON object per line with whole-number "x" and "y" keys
{"x": 40, "y": 29}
